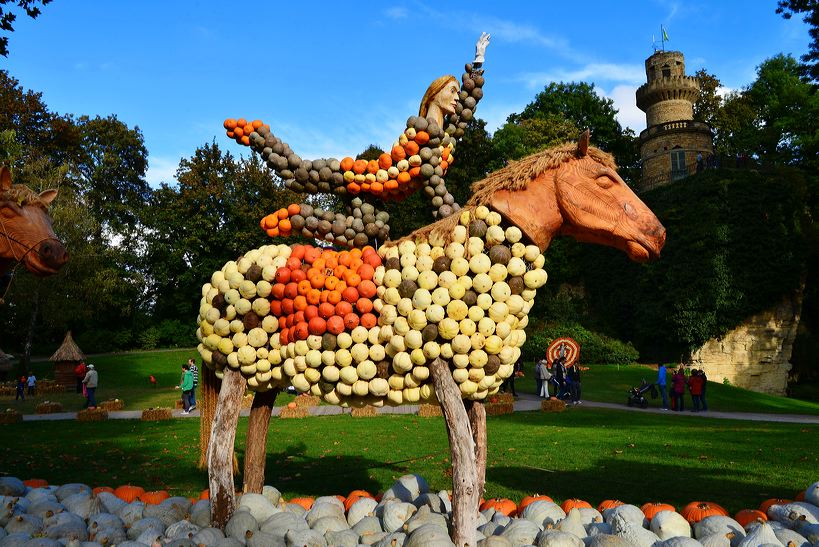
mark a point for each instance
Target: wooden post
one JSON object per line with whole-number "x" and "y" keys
{"x": 220, "y": 449}
{"x": 207, "y": 408}
{"x": 465, "y": 493}
{"x": 256, "y": 441}
{"x": 477, "y": 422}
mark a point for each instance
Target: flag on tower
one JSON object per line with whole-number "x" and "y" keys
{"x": 665, "y": 34}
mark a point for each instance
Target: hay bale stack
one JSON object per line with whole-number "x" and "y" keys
{"x": 294, "y": 412}
{"x": 92, "y": 415}
{"x": 156, "y": 414}
{"x": 428, "y": 411}
{"x": 367, "y": 411}
{"x": 112, "y": 404}
{"x": 10, "y": 416}
{"x": 306, "y": 401}
{"x": 552, "y": 405}
{"x": 48, "y": 407}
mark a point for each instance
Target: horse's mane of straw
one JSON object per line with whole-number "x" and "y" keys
{"x": 515, "y": 176}
{"x": 22, "y": 195}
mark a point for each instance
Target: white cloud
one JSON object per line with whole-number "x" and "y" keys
{"x": 162, "y": 169}
{"x": 626, "y": 104}
{"x": 396, "y": 12}
{"x": 592, "y": 72}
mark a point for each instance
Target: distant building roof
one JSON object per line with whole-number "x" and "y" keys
{"x": 68, "y": 351}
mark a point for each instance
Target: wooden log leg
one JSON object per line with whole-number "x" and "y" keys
{"x": 207, "y": 408}
{"x": 256, "y": 441}
{"x": 465, "y": 493}
{"x": 477, "y": 422}
{"x": 220, "y": 449}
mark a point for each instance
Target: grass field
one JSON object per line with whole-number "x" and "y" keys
{"x": 125, "y": 376}
{"x": 583, "y": 452}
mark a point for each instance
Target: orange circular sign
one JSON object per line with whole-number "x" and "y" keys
{"x": 565, "y": 347}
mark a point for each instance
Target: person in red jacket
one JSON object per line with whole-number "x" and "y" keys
{"x": 79, "y": 374}
{"x": 678, "y": 382}
{"x": 695, "y": 384}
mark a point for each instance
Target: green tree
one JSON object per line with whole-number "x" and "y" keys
{"x": 526, "y": 136}
{"x": 789, "y": 8}
{"x": 212, "y": 216}
{"x": 7, "y": 17}
{"x": 475, "y": 157}
{"x": 708, "y": 101}
{"x": 579, "y": 104}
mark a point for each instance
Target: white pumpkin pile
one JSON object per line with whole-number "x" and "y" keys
{"x": 462, "y": 296}
{"x": 408, "y": 515}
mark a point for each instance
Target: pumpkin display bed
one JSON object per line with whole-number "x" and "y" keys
{"x": 112, "y": 404}
{"x": 367, "y": 411}
{"x": 48, "y": 407}
{"x": 156, "y": 414}
{"x": 92, "y": 415}
{"x": 10, "y": 416}
{"x": 407, "y": 513}
{"x": 552, "y": 405}
{"x": 497, "y": 409}
{"x": 428, "y": 410}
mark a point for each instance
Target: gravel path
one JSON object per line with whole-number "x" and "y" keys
{"x": 524, "y": 403}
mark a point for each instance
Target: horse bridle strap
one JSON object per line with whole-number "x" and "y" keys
{"x": 10, "y": 238}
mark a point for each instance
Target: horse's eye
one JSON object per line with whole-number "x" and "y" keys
{"x": 604, "y": 182}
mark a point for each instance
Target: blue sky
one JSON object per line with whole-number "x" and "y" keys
{"x": 332, "y": 77}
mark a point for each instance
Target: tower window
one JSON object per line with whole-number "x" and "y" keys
{"x": 666, "y": 71}
{"x": 678, "y": 168}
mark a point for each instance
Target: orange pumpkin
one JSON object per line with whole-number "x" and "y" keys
{"x": 128, "y": 493}
{"x": 347, "y": 164}
{"x": 36, "y": 483}
{"x": 100, "y": 489}
{"x": 531, "y": 499}
{"x": 747, "y": 516}
{"x": 772, "y": 501}
{"x": 306, "y": 502}
{"x": 800, "y": 496}
{"x": 293, "y": 209}
{"x": 154, "y": 498}
{"x": 291, "y": 405}
{"x": 501, "y": 505}
{"x": 698, "y": 510}
{"x": 653, "y": 507}
{"x": 205, "y": 494}
{"x": 609, "y": 504}
{"x": 574, "y": 503}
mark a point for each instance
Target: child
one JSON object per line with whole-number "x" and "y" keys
{"x": 21, "y": 387}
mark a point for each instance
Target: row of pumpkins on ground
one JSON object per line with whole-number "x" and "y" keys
{"x": 407, "y": 514}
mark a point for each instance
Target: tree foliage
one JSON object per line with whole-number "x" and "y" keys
{"x": 708, "y": 100}
{"x": 8, "y": 17}
{"x": 810, "y": 9}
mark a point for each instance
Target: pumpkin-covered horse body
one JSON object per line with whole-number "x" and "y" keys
{"x": 26, "y": 233}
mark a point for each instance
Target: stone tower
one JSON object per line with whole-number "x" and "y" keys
{"x": 672, "y": 142}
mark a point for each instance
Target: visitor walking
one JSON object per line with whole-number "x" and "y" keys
{"x": 21, "y": 389}
{"x": 559, "y": 377}
{"x": 573, "y": 374}
{"x": 90, "y": 382}
{"x": 542, "y": 376}
{"x": 662, "y": 374}
{"x": 31, "y": 382}
{"x": 678, "y": 383}
{"x": 704, "y": 385}
{"x": 79, "y": 374}
{"x": 195, "y": 374}
{"x": 695, "y": 387}
{"x": 186, "y": 386}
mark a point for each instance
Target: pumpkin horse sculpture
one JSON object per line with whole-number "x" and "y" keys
{"x": 436, "y": 316}
{"x": 26, "y": 235}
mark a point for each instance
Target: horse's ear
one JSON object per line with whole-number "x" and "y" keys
{"x": 48, "y": 196}
{"x": 5, "y": 178}
{"x": 583, "y": 143}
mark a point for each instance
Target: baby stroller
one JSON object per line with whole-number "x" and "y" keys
{"x": 636, "y": 395}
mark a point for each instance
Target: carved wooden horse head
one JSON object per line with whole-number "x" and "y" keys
{"x": 26, "y": 234}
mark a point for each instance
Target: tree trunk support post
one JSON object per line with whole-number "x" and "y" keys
{"x": 462, "y": 449}
{"x": 256, "y": 441}
{"x": 220, "y": 448}
{"x": 477, "y": 422}
{"x": 207, "y": 407}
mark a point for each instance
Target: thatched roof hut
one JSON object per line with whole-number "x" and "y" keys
{"x": 67, "y": 356}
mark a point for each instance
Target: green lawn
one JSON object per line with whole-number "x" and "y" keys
{"x": 588, "y": 453}
{"x": 125, "y": 376}
{"x": 610, "y": 384}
